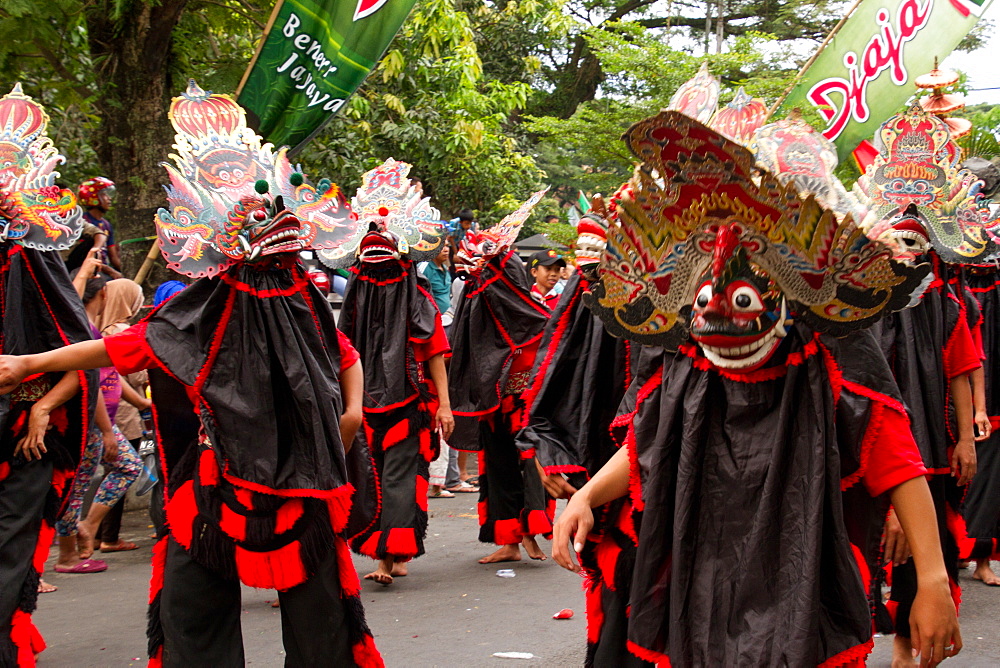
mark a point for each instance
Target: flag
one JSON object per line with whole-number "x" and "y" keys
{"x": 865, "y": 73}
{"x": 314, "y": 54}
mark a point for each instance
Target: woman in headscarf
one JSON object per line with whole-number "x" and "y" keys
{"x": 123, "y": 300}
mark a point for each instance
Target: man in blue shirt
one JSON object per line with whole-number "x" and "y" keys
{"x": 437, "y": 274}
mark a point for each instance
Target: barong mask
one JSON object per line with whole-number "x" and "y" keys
{"x": 34, "y": 211}
{"x": 916, "y": 179}
{"x": 233, "y": 199}
{"x": 394, "y": 220}
{"x": 699, "y": 240}
{"x": 477, "y": 249}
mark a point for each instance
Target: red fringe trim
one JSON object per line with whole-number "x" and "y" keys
{"x": 564, "y": 468}
{"x": 421, "y": 490}
{"x": 208, "y": 468}
{"x": 26, "y": 638}
{"x": 287, "y": 515}
{"x": 959, "y": 532}
{"x": 426, "y": 451}
{"x": 216, "y": 344}
{"x": 528, "y": 454}
{"x": 279, "y": 569}
{"x": 232, "y": 524}
{"x": 855, "y": 656}
{"x": 401, "y": 542}
{"x": 537, "y": 522}
{"x": 661, "y": 660}
{"x": 370, "y": 547}
{"x": 481, "y": 511}
{"x": 507, "y": 532}
{"x": 607, "y": 553}
{"x": 356, "y": 270}
{"x": 635, "y": 479}
{"x": 344, "y": 490}
{"x": 396, "y": 434}
{"x": 181, "y": 512}
{"x": 245, "y": 497}
{"x": 366, "y": 655}
{"x": 873, "y": 433}
{"x": 350, "y": 584}
{"x": 594, "y": 598}
{"x": 297, "y": 286}
{"x": 392, "y": 406}
{"x": 45, "y": 535}
{"x": 156, "y": 661}
{"x": 159, "y": 564}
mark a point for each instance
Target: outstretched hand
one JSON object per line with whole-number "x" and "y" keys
{"x": 574, "y": 524}
{"x": 934, "y": 630}
{"x": 13, "y": 369}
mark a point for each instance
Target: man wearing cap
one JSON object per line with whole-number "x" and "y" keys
{"x": 545, "y": 268}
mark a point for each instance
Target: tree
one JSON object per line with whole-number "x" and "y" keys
{"x": 106, "y": 69}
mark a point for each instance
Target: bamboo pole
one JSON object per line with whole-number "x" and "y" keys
{"x": 147, "y": 264}
{"x": 802, "y": 71}
{"x": 260, "y": 46}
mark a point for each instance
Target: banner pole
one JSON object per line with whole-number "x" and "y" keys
{"x": 802, "y": 71}
{"x": 260, "y": 46}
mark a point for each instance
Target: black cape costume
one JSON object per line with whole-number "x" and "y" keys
{"x": 755, "y": 477}
{"x": 495, "y": 337}
{"x": 580, "y": 376}
{"x": 261, "y": 494}
{"x": 40, "y": 311}
{"x": 387, "y": 313}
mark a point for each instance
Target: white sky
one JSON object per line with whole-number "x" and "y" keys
{"x": 981, "y": 65}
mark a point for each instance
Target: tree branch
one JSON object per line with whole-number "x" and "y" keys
{"x": 53, "y": 60}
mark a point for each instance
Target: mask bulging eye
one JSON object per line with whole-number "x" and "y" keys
{"x": 746, "y": 298}
{"x": 259, "y": 215}
{"x": 704, "y": 296}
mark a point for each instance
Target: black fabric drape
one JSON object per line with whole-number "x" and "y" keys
{"x": 745, "y": 554}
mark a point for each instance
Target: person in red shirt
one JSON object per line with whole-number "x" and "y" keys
{"x": 546, "y": 268}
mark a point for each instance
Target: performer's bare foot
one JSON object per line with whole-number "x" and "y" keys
{"x": 531, "y": 547}
{"x": 382, "y": 574}
{"x": 505, "y": 553}
{"x": 46, "y": 588}
{"x": 400, "y": 569}
{"x": 984, "y": 573}
{"x": 902, "y": 652}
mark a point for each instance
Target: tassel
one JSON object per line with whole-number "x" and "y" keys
{"x": 594, "y": 596}
{"x": 350, "y": 584}
{"x": 26, "y": 638}
{"x": 366, "y": 655}
{"x": 607, "y": 554}
{"x": 159, "y": 564}
{"x": 154, "y": 631}
{"x": 208, "y": 468}
{"x": 421, "y": 485}
{"x": 279, "y": 569}
{"x": 233, "y": 524}
{"x": 287, "y": 515}
{"x": 536, "y": 522}
{"x": 368, "y": 547}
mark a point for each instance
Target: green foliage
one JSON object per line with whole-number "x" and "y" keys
{"x": 984, "y": 140}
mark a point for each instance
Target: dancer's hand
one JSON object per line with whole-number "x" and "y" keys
{"x": 896, "y": 548}
{"x": 575, "y": 523}
{"x": 32, "y": 445}
{"x": 963, "y": 462}
{"x": 555, "y": 485}
{"x": 983, "y": 425}
{"x": 934, "y": 630}
{"x": 13, "y": 369}
{"x": 110, "y": 447}
{"x": 444, "y": 422}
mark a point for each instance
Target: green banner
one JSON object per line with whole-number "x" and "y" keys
{"x": 866, "y": 72}
{"x": 314, "y": 55}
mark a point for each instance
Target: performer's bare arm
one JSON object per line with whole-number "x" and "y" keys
{"x": 963, "y": 459}
{"x": 32, "y": 445}
{"x": 933, "y": 623}
{"x": 443, "y": 420}
{"x": 103, "y": 422}
{"x": 982, "y": 417}
{"x": 83, "y": 355}
{"x": 576, "y": 521}
{"x": 352, "y": 388}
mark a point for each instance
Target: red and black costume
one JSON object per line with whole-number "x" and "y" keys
{"x": 247, "y": 404}
{"x": 580, "y": 376}
{"x": 495, "y": 335}
{"x": 39, "y": 311}
{"x": 749, "y": 433}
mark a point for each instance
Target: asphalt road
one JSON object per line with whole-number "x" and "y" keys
{"x": 450, "y": 611}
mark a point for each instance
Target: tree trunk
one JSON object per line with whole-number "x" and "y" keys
{"x": 133, "y": 54}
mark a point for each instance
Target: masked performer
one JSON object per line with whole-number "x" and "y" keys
{"x": 392, "y": 319}
{"x": 45, "y": 421}
{"x": 494, "y": 337}
{"x": 923, "y": 205}
{"x": 756, "y": 440}
{"x": 259, "y": 494}
{"x": 580, "y": 377}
